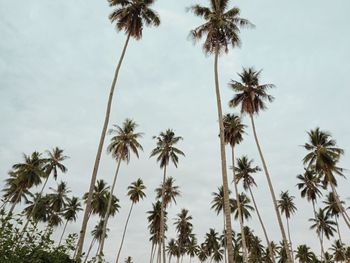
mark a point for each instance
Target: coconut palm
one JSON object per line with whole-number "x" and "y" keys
{"x": 96, "y": 237}
{"x": 338, "y": 250}
{"x": 287, "y": 207}
{"x": 135, "y": 193}
{"x": 172, "y": 249}
{"x": 165, "y": 151}
{"x": 183, "y": 227}
{"x": 192, "y": 247}
{"x": 323, "y": 156}
{"x": 128, "y": 260}
{"x": 233, "y": 131}
{"x": 99, "y": 200}
{"x": 251, "y": 96}
{"x": 323, "y": 226}
{"x": 220, "y": 30}
{"x": 123, "y": 143}
{"x": 246, "y": 208}
{"x": 333, "y": 210}
{"x": 129, "y": 16}
{"x": 70, "y": 213}
{"x": 211, "y": 242}
{"x": 38, "y": 209}
{"x": 304, "y": 254}
{"x": 171, "y": 191}
{"x": 244, "y": 171}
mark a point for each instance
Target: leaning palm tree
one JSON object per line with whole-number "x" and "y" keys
{"x": 304, "y": 254}
{"x": 333, "y": 210}
{"x": 165, "y": 152}
{"x": 323, "y": 156}
{"x": 123, "y": 143}
{"x": 220, "y": 30}
{"x": 287, "y": 207}
{"x": 244, "y": 171}
{"x": 70, "y": 213}
{"x": 251, "y": 96}
{"x": 135, "y": 193}
{"x": 129, "y": 16}
{"x": 233, "y": 131}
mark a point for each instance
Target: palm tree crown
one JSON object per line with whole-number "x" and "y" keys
{"x": 286, "y": 204}
{"x": 245, "y": 170}
{"x": 171, "y": 191}
{"x": 54, "y": 162}
{"x": 136, "y": 191}
{"x": 233, "y": 129}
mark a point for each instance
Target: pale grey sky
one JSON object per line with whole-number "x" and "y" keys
{"x": 56, "y": 64}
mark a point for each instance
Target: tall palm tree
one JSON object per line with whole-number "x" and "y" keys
{"x": 135, "y": 193}
{"x": 244, "y": 171}
{"x": 323, "y": 156}
{"x": 304, "y": 254}
{"x": 129, "y": 16}
{"x": 220, "y": 30}
{"x": 323, "y": 226}
{"x": 287, "y": 207}
{"x": 171, "y": 191}
{"x": 96, "y": 237}
{"x": 251, "y": 96}
{"x": 338, "y": 250}
{"x": 99, "y": 200}
{"x": 333, "y": 210}
{"x": 233, "y": 131}
{"x": 123, "y": 143}
{"x": 165, "y": 151}
{"x": 183, "y": 227}
{"x": 70, "y": 213}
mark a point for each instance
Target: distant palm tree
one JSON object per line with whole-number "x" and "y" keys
{"x": 211, "y": 242}
{"x": 333, "y": 210}
{"x": 304, "y": 254}
{"x": 183, "y": 227}
{"x": 70, "y": 213}
{"x": 323, "y": 156}
{"x": 246, "y": 208}
{"x": 202, "y": 253}
{"x": 38, "y": 209}
{"x": 287, "y": 207}
{"x": 323, "y": 226}
{"x": 123, "y": 143}
{"x": 96, "y": 236}
{"x": 220, "y": 30}
{"x": 244, "y": 171}
{"x": 99, "y": 200}
{"x": 172, "y": 249}
{"x": 135, "y": 193}
{"x": 128, "y": 260}
{"x": 192, "y": 248}
{"x": 171, "y": 191}
{"x": 165, "y": 151}
{"x": 338, "y": 250}
{"x": 129, "y": 16}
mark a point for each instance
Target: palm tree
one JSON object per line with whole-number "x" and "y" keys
{"x": 122, "y": 144}
{"x": 70, "y": 213}
{"x": 212, "y": 241}
{"x": 38, "y": 209}
{"x": 323, "y": 226}
{"x": 96, "y": 236}
{"x": 304, "y": 254}
{"x": 192, "y": 247}
{"x": 165, "y": 152}
{"x": 183, "y": 227}
{"x": 202, "y": 253}
{"x": 251, "y": 96}
{"x": 135, "y": 193}
{"x": 233, "y": 132}
{"x": 333, "y": 210}
{"x": 323, "y": 156}
{"x": 244, "y": 171}
{"x": 287, "y": 207}
{"x": 171, "y": 191}
{"x": 129, "y": 16}
{"x": 172, "y": 249}
{"x": 128, "y": 260}
{"x": 99, "y": 200}
{"x": 246, "y": 208}
{"x": 220, "y": 30}
{"x": 338, "y": 250}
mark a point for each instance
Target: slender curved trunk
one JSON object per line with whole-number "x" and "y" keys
{"x": 162, "y": 223}
{"x": 64, "y": 230}
{"x": 279, "y": 219}
{"x": 80, "y": 243}
{"x": 14, "y": 204}
{"x": 322, "y": 247}
{"x": 241, "y": 224}
{"x": 225, "y": 250}
{"x": 318, "y": 235}
{"x": 341, "y": 208}
{"x": 105, "y": 220}
{"x": 338, "y": 229}
{"x": 290, "y": 240}
{"x": 89, "y": 250}
{"x": 262, "y": 226}
{"x": 227, "y": 210}
{"x": 124, "y": 232}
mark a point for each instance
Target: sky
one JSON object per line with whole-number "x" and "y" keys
{"x": 57, "y": 60}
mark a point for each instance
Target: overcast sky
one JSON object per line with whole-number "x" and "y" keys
{"x": 57, "y": 59}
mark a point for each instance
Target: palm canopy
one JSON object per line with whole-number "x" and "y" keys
{"x": 154, "y": 221}
{"x": 171, "y": 191}
{"x": 165, "y": 149}
{"x": 217, "y": 204}
{"x": 323, "y": 155}
{"x": 304, "y": 254}
{"x": 250, "y": 94}
{"x": 246, "y": 208}
{"x": 125, "y": 139}
{"x": 41, "y": 206}
{"x": 332, "y": 207}
{"x": 72, "y": 209}
{"x": 221, "y": 28}
{"x": 183, "y": 225}
{"x": 14, "y": 190}
{"x": 54, "y": 162}
{"x": 309, "y": 184}
{"x": 286, "y": 204}
{"x": 130, "y": 16}
{"x": 59, "y": 198}
{"x": 245, "y": 170}
{"x": 136, "y": 191}
{"x": 233, "y": 129}
{"x": 323, "y": 224}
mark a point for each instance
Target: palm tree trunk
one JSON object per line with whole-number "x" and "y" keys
{"x": 89, "y": 250}
{"x": 225, "y": 245}
{"x": 14, "y": 204}
{"x": 290, "y": 240}
{"x": 279, "y": 219}
{"x": 162, "y": 223}
{"x": 64, "y": 230}
{"x": 227, "y": 210}
{"x": 338, "y": 229}
{"x": 80, "y": 243}
{"x": 262, "y": 226}
{"x": 126, "y": 225}
{"x": 322, "y": 248}
{"x": 105, "y": 220}
{"x": 318, "y": 235}
{"x": 341, "y": 208}
{"x": 244, "y": 244}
